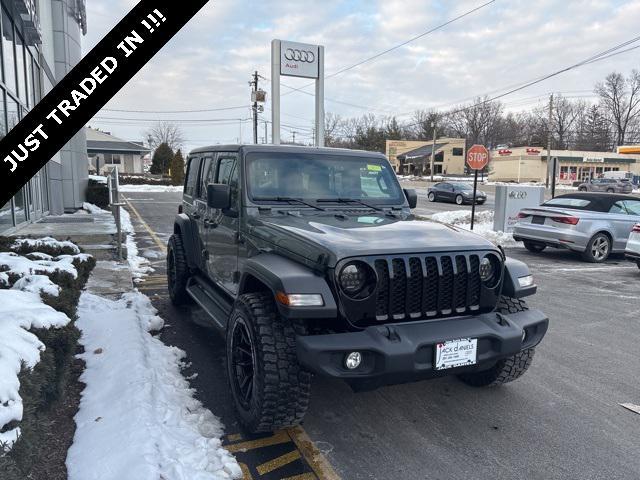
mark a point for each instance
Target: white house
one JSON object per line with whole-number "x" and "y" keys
{"x": 106, "y": 150}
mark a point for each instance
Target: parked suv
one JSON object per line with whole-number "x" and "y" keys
{"x": 610, "y": 185}
{"x": 309, "y": 261}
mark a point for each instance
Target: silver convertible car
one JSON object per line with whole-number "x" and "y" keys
{"x": 595, "y": 224}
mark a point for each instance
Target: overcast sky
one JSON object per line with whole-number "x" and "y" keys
{"x": 208, "y": 64}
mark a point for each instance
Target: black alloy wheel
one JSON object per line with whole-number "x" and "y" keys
{"x": 243, "y": 362}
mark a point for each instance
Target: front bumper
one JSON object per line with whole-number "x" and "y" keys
{"x": 398, "y": 353}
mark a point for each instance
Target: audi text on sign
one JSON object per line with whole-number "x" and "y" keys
{"x": 477, "y": 157}
{"x": 298, "y": 59}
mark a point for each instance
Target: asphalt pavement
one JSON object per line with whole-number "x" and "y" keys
{"x": 562, "y": 420}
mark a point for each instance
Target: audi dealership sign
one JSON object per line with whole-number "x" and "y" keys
{"x": 299, "y": 59}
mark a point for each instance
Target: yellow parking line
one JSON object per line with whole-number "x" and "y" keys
{"x": 246, "y": 474}
{"x": 275, "y": 439}
{"x": 153, "y": 234}
{"x": 316, "y": 460}
{"x": 302, "y": 476}
{"x": 234, "y": 437}
{"x": 276, "y": 463}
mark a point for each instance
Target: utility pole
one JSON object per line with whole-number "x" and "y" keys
{"x": 433, "y": 148}
{"x": 294, "y": 137}
{"x": 266, "y": 136}
{"x": 549, "y": 125}
{"x": 254, "y": 94}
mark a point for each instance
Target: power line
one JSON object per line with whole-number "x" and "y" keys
{"x": 174, "y": 111}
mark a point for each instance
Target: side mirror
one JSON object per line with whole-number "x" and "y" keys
{"x": 218, "y": 196}
{"x": 412, "y": 197}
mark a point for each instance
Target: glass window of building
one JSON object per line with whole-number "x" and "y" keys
{"x": 20, "y": 210}
{"x": 13, "y": 113}
{"x": 6, "y": 215}
{"x": 21, "y": 69}
{"x": 8, "y": 52}
{"x": 3, "y": 119}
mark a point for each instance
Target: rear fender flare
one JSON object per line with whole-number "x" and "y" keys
{"x": 182, "y": 226}
{"x": 281, "y": 274}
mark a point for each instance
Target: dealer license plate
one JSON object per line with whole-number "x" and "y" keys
{"x": 456, "y": 353}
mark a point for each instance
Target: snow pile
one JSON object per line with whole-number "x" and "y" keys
{"x": 12, "y": 263}
{"x": 20, "y": 312}
{"x": 138, "y": 418}
{"x": 41, "y": 243}
{"x": 150, "y": 188}
{"x": 37, "y": 284}
{"x": 139, "y": 265}
{"x": 483, "y": 225}
{"x": 98, "y": 178}
{"x": 93, "y": 209}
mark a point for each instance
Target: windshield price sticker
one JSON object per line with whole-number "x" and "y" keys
{"x": 456, "y": 353}
{"x": 374, "y": 168}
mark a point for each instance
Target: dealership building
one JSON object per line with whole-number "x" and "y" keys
{"x": 410, "y": 157}
{"x": 529, "y": 164}
{"x": 41, "y": 43}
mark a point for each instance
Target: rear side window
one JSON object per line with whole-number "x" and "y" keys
{"x": 191, "y": 185}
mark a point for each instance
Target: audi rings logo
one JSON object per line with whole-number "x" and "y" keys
{"x": 304, "y": 56}
{"x": 517, "y": 195}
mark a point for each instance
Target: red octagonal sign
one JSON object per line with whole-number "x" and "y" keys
{"x": 477, "y": 157}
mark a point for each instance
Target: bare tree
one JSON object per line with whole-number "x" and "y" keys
{"x": 478, "y": 122}
{"x": 620, "y": 99}
{"x": 165, "y": 132}
{"x": 564, "y": 116}
{"x": 421, "y": 128}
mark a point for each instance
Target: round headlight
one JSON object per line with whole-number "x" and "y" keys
{"x": 356, "y": 279}
{"x": 490, "y": 270}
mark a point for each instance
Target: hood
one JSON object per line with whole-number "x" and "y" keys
{"x": 368, "y": 234}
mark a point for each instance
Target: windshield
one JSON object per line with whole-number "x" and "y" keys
{"x": 312, "y": 177}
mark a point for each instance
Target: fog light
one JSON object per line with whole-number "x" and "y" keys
{"x": 525, "y": 281}
{"x": 353, "y": 360}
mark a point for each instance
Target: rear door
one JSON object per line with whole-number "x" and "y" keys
{"x": 222, "y": 234}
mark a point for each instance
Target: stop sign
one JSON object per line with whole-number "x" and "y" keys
{"x": 477, "y": 157}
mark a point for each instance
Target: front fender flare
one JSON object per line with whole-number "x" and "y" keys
{"x": 513, "y": 270}
{"x": 281, "y": 274}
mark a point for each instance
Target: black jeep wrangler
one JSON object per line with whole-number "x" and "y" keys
{"x": 308, "y": 260}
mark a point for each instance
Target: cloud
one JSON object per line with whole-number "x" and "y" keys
{"x": 208, "y": 64}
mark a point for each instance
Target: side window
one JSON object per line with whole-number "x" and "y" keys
{"x": 191, "y": 185}
{"x": 225, "y": 168}
{"x": 208, "y": 165}
{"x": 633, "y": 206}
{"x": 618, "y": 207}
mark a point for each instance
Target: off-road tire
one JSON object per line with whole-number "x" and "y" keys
{"x": 582, "y": 189}
{"x": 638, "y": 263}
{"x": 459, "y": 200}
{"x": 588, "y": 255}
{"x": 508, "y": 369}
{"x": 431, "y": 197}
{"x": 177, "y": 281}
{"x": 281, "y": 388}
{"x": 534, "y": 247}
{"x": 610, "y": 190}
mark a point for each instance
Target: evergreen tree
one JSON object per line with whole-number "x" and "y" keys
{"x": 161, "y": 160}
{"x": 177, "y": 169}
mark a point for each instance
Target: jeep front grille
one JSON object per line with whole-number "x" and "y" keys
{"x": 415, "y": 287}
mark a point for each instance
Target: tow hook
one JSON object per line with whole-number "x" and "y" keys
{"x": 502, "y": 320}
{"x": 389, "y": 333}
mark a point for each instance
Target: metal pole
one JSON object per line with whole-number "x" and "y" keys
{"x": 266, "y": 135}
{"x": 255, "y": 108}
{"x": 473, "y": 200}
{"x": 275, "y": 92}
{"x": 319, "y": 131}
{"x": 553, "y": 177}
{"x": 549, "y": 137}
{"x": 433, "y": 148}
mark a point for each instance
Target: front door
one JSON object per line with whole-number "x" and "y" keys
{"x": 223, "y": 226}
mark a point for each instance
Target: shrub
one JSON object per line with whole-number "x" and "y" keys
{"x": 98, "y": 194}
{"x": 177, "y": 169}
{"x": 125, "y": 180}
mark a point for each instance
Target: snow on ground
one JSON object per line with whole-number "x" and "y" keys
{"x": 20, "y": 312}
{"x": 138, "y": 418}
{"x": 150, "y": 188}
{"x": 483, "y": 225}
{"x": 35, "y": 243}
{"x": 93, "y": 209}
{"x": 139, "y": 265}
{"x": 37, "y": 284}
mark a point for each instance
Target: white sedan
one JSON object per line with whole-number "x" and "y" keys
{"x": 632, "y": 251}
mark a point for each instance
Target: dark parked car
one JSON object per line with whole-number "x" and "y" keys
{"x": 308, "y": 260}
{"x": 457, "y": 192}
{"x": 609, "y": 185}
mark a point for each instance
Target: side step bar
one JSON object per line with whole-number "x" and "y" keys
{"x": 210, "y": 300}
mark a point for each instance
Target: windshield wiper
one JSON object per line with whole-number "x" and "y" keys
{"x": 350, "y": 200}
{"x": 289, "y": 200}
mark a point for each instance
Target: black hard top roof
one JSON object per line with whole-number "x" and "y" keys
{"x": 284, "y": 148}
{"x": 600, "y": 202}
